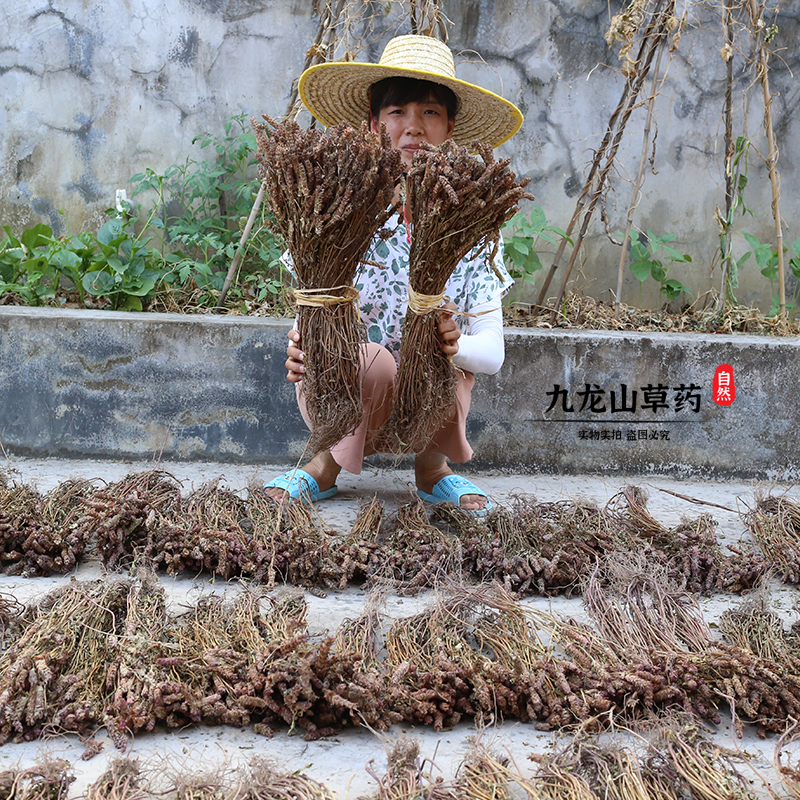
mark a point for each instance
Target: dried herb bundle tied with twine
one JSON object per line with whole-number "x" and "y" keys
{"x": 329, "y": 194}
{"x": 454, "y": 202}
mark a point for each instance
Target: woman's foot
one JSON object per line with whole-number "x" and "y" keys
{"x": 430, "y": 468}
{"x": 322, "y": 468}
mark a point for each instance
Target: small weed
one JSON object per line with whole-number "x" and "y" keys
{"x": 644, "y": 263}
{"x": 766, "y": 258}
{"x": 522, "y": 237}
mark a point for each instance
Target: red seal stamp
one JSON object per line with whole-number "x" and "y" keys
{"x": 724, "y": 388}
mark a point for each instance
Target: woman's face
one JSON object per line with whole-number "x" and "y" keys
{"x": 415, "y": 122}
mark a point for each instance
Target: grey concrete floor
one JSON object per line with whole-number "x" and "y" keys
{"x": 344, "y": 762}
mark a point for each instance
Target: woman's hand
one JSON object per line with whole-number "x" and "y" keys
{"x": 294, "y": 363}
{"x": 449, "y": 332}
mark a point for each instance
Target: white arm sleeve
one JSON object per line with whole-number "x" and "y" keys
{"x": 483, "y": 348}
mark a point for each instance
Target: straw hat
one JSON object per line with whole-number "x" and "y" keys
{"x": 338, "y": 91}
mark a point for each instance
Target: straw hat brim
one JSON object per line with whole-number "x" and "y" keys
{"x": 338, "y": 91}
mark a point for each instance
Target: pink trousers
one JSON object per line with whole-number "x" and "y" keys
{"x": 378, "y": 373}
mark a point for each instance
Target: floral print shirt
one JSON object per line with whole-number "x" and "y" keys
{"x": 383, "y": 289}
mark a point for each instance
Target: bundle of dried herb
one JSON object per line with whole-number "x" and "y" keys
{"x": 775, "y": 527}
{"x": 122, "y": 780}
{"x": 532, "y": 548}
{"x": 53, "y": 678}
{"x": 454, "y": 202}
{"x": 118, "y": 517}
{"x": 413, "y": 554}
{"x": 209, "y": 530}
{"x": 38, "y": 535}
{"x": 264, "y": 782}
{"x": 137, "y": 685}
{"x": 329, "y": 194}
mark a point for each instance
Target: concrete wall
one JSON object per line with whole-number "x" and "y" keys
{"x": 95, "y": 92}
{"x": 106, "y": 384}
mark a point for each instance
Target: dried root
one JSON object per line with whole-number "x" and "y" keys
{"x": 11, "y": 611}
{"x": 359, "y": 552}
{"x": 754, "y": 627}
{"x": 483, "y": 776}
{"x": 414, "y": 554}
{"x": 217, "y": 784}
{"x": 329, "y": 194}
{"x": 54, "y": 676}
{"x": 455, "y": 203}
{"x": 677, "y": 763}
{"x": 690, "y": 551}
{"x": 49, "y": 779}
{"x": 120, "y": 516}
{"x": 406, "y": 777}
{"x": 656, "y": 645}
{"x": 291, "y": 545}
{"x": 264, "y": 782}
{"x": 121, "y": 781}
{"x": 209, "y": 532}
{"x": 19, "y": 506}
{"x": 135, "y": 682}
{"x": 775, "y": 527}
{"x": 39, "y": 535}
{"x": 704, "y": 770}
{"x": 532, "y": 548}
{"x": 786, "y": 763}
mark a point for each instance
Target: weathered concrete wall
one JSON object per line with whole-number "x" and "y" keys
{"x": 565, "y": 403}
{"x": 86, "y": 383}
{"x": 94, "y": 92}
{"x": 105, "y": 384}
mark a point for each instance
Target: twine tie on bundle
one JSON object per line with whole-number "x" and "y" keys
{"x": 421, "y": 304}
{"x": 320, "y": 298}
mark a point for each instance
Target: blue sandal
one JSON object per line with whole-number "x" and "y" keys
{"x": 299, "y": 485}
{"x": 451, "y": 489}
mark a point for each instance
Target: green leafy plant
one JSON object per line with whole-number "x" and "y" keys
{"x": 175, "y": 254}
{"x": 645, "y": 264}
{"x": 766, "y": 258}
{"x": 24, "y": 268}
{"x": 114, "y": 264}
{"x": 129, "y": 270}
{"x": 522, "y": 237}
{"x": 203, "y": 205}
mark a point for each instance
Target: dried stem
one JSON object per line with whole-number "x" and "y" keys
{"x": 730, "y": 181}
{"x": 655, "y": 36}
{"x": 600, "y": 154}
{"x": 762, "y": 67}
{"x": 637, "y": 181}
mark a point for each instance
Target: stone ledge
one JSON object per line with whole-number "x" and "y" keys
{"x": 114, "y": 384}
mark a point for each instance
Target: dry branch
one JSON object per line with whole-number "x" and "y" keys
{"x": 756, "y": 10}
{"x": 654, "y": 37}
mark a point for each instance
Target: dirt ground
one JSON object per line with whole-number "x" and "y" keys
{"x": 344, "y": 762}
